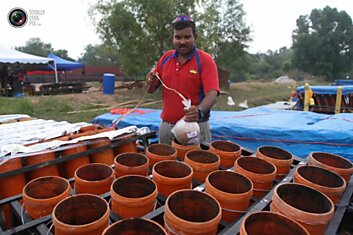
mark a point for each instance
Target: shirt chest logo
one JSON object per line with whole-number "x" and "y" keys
{"x": 193, "y": 71}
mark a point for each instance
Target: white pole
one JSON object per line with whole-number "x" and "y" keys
{"x": 55, "y": 70}
{"x": 56, "y": 73}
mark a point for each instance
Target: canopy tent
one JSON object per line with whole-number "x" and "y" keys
{"x": 327, "y": 90}
{"x": 345, "y": 82}
{"x": 325, "y": 98}
{"x": 63, "y": 65}
{"x": 11, "y": 56}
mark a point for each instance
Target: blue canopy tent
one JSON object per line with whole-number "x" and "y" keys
{"x": 345, "y": 82}
{"x": 64, "y": 65}
{"x": 325, "y": 99}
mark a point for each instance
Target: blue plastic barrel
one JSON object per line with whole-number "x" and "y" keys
{"x": 108, "y": 83}
{"x": 19, "y": 95}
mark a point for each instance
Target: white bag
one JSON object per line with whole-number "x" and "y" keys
{"x": 187, "y": 133}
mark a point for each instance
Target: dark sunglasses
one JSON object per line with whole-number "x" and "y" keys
{"x": 183, "y": 19}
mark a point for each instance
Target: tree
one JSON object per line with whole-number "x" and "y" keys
{"x": 63, "y": 54}
{"x": 277, "y": 58}
{"x": 140, "y": 31}
{"x": 234, "y": 59}
{"x": 229, "y": 39}
{"x": 99, "y": 55}
{"x": 35, "y": 46}
{"x": 323, "y": 42}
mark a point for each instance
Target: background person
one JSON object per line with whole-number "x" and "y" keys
{"x": 193, "y": 73}
{"x": 4, "y": 80}
{"x": 17, "y": 78}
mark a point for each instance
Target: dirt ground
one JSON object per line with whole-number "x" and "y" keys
{"x": 85, "y": 106}
{"x": 94, "y": 97}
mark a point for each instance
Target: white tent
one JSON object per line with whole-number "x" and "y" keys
{"x": 11, "y": 56}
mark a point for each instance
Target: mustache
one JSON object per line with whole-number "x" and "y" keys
{"x": 183, "y": 46}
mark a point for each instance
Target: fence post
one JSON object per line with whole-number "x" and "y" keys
{"x": 306, "y": 97}
{"x": 338, "y": 99}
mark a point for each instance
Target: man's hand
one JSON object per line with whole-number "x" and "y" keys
{"x": 192, "y": 114}
{"x": 150, "y": 78}
{"x": 150, "y": 82}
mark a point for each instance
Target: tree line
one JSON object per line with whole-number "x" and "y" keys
{"x": 135, "y": 33}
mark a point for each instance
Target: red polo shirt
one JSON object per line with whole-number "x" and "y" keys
{"x": 186, "y": 79}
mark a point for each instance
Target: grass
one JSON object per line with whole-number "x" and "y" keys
{"x": 16, "y": 106}
{"x": 84, "y": 107}
{"x": 256, "y": 94}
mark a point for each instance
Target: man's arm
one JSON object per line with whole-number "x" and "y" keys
{"x": 209, "y": 100}
{"x": 192, "y": 115}
{"x": 151, "y": 82}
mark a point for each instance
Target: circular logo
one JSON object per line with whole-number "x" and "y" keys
{"x": 17, "y": 17}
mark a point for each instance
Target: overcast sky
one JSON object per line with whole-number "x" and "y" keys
{"x": 273, "y": 21}
{"x": 66, "y": 25}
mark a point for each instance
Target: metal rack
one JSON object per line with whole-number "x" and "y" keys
{"x": 39, "y": 226}
{"x": 42, "y": 226}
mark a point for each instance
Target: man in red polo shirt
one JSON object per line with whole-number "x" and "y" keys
{"x": 193, "y": 73}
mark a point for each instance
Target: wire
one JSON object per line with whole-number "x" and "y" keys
{"x": 116, "y": 121}
{"x": 22, "y": 210}
{"x": 50, "y": 228}
{"x": 178, "y": 93}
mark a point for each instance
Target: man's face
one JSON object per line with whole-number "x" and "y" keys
{"x": 184, "y": 41}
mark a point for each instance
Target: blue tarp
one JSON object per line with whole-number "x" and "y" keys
{"x": 64, "y": 65}
{"x": 327, "y": 90}
{"x": 296, "y": 131}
